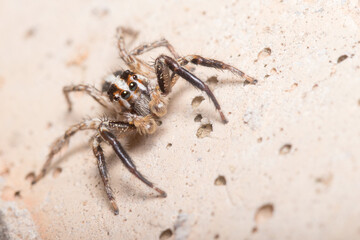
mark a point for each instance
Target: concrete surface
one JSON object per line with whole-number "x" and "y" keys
{"x": 286, "y": 166}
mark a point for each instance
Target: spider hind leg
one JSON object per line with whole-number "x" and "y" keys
{"x": 99, "y": 154}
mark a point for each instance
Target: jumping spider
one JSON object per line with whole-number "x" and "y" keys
{"x": 138, "y": 99}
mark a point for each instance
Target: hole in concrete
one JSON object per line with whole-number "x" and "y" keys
{"x": 212, "y": 81}
{"x": 196, "y": 101}
{"x": 17, "y": 194}
{"x": 254, "y": 229}
{"x": 273, "y": 71}
{"x": 49, "y": 125}
{"x": 204, "y": 130}
{"x": 264, "y": 213}
{"x": 292, "y": 87}
{"x": 325, "y": 179}
{"x": 30, "y": 176}
{"x": 285, "y": 149}
{"x": 217, "y": 236}
{"x": 264, "y": 53}
{"x": 5, "y": 171}
{"x": 169, "y": 145}
{"x": 166, "y": 234}
{"x": 220, "y": 181}
{"x": 199, "y": 117}
{"x": 259, "y": 140}
{"x": 57, "y": 172}
{"x": 30, "y": 33}
{"x": 342, "y": 58}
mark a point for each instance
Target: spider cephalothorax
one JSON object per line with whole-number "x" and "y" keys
{"x": 129, "y": 91}
{"x": 137, "y": 99}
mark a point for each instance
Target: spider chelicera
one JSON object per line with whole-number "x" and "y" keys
{"x": 138, "y": 99}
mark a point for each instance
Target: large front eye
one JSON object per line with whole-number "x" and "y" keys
{"x": 125, "y": 94}
{"x": 133, "y": 86}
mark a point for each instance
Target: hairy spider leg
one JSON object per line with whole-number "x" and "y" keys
{"x": 88, "y": 89}
{"x": 156, "y": 44}
{"x": 146, "y": 47}
{"x": 129, "y": 32}
{"x": 130, "y": 60}
{"x": 125, "y": 158}
{"x": 99, "y": 154}
{"x": 135, "y": 63}
{"x": 212, "y": 63}
{"x": 62, "y": 141}
{"x": 162, "y": 65}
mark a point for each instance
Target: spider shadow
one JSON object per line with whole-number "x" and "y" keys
{"x": 134, "y": 142}
{"x": 232, "y": 81}
{"x": 131, "y": 143}
{"x": 67, "y": 153}
{"x": 111, "y": 159}
{"x": 124, "y": 187}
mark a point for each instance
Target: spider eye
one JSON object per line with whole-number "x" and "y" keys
{"x": 125, "y": 94}
{"x": 133, "y": 86}
{"x": 134, "y": 77}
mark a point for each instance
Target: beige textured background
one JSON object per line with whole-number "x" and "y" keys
{"x": 290, "y": 154}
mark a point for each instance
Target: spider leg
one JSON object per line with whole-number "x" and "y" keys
{"x": 130, "y": 59}
{"x": 99, "y": 153}
{"x": 134, "y": 64}
{"x": 150, "y": 46}
{"x": 162, "y": 65}
{"x": 198, "y": 60}
{"x": 62, "y": 141}
{"x": 156, "y": 44}
{"x": 125, "y": 158}
{"x": 88, "y": 89}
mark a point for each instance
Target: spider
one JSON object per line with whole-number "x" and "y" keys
{"x": 137, "y": 99}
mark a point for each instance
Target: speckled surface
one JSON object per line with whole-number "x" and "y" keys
{"x": 286, "y": 166}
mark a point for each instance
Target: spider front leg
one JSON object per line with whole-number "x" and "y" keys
{"x": 165, "y": 63}
{"x": 62, "y": 141}
{"x": 134, "y": 63}
{"x": 125, "y": 158}
{"x": 212, "y": 63}
{"x": 99, "y": 154}
{"x": 156, "y": 44}
{"x": 130, "y": 60}
{"x": 90, "y": 90}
